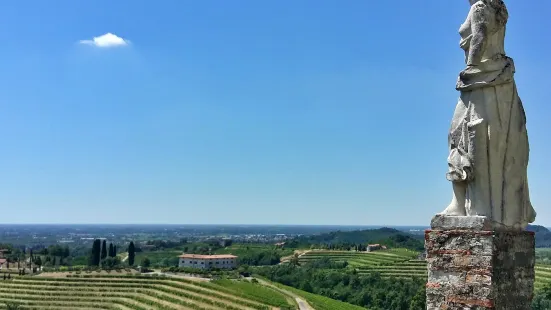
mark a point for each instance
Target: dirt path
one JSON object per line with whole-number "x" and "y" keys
{"x": 299, "y": 252}
{"x": 302, "y": 304}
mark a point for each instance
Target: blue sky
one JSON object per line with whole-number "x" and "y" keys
{"x": 291, "y": 112}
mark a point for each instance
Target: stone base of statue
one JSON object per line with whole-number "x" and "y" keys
{"x": 471, "y": 265}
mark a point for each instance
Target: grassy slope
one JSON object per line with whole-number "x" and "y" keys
{"x": 319, "y": 302}
{"x": 255, "y": 291}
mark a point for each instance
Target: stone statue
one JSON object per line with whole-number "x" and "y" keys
{"x": 488, "y": 142}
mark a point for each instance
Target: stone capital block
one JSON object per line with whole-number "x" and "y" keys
{"x": 473, "y": 268}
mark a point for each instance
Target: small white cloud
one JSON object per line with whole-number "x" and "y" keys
{"x": 106, "y": 40}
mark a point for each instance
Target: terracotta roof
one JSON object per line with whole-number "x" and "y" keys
{"x": 197, "y": 256}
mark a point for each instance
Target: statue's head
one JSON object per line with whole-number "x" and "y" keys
{"x": 499, "y": 8}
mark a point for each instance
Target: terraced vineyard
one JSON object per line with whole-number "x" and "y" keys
{"x": 397, "y": 263}
{"x": 137, "y": 292}
{"x": 543, "y": 275}
{"x": 384, "y": 261}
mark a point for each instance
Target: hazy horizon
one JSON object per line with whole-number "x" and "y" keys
{"x": 311, "y": 112}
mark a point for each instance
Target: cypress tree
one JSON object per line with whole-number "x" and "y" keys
{"x": 131, "y": 253}
{"x": 114, "y": 250}
{"x": 38, "y": 261}
{"x": 111, "y": 250}
{"x": 104, "y": 250}
{"x": 95, "y": 253}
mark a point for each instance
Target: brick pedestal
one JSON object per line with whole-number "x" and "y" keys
{"x": 471, "y": 266}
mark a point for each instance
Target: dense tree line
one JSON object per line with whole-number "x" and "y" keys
{"x": 332, "y": 280}
{"x": 351, "y": 240}
{"x": 542, "y": 298}
{"x": 201, "y": 248}
{"x": 55, "y": 250}
{"x": 166, "y": 244}
{"x": 260, "y": 257}
{"x": 101, "y": 254}
{"x": 51, "y": 256}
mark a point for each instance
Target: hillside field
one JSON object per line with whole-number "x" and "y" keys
{"x": 397, "y": 263}
{"x": 91, "y": 291}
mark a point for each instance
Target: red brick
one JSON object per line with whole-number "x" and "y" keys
{"x": 433, "y": 285}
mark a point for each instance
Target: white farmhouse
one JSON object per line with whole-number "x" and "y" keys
{"x": 208, "y": 261}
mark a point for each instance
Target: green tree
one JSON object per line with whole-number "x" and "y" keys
{"x": 95, "y": 253}
{"x": 418, "y": 302}
{"x": 38, "y": 261}
{"x": 112, "y": 262}
{"x": 114, "y": 250}
{"x": 66, "y": 253}
{"x": 111, "y": 250}
{"x": 295, "y": 260}
{"x": 104, "y": 250}
{"x": 542, "y": 299}
{"x": 131, "y": 253}
{"x": 244, "y": 270}
{"x": 146, "y": 263}
{"x": 305, "y": 286}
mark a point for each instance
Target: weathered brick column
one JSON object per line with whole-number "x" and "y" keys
{"x": 471, "y": 266}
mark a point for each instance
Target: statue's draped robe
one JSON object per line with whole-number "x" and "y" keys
{"x": 488, "y": 141}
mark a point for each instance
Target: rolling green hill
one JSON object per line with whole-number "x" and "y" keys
{"x": 385, "y": 236}
{"x": 543, "y": 236}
